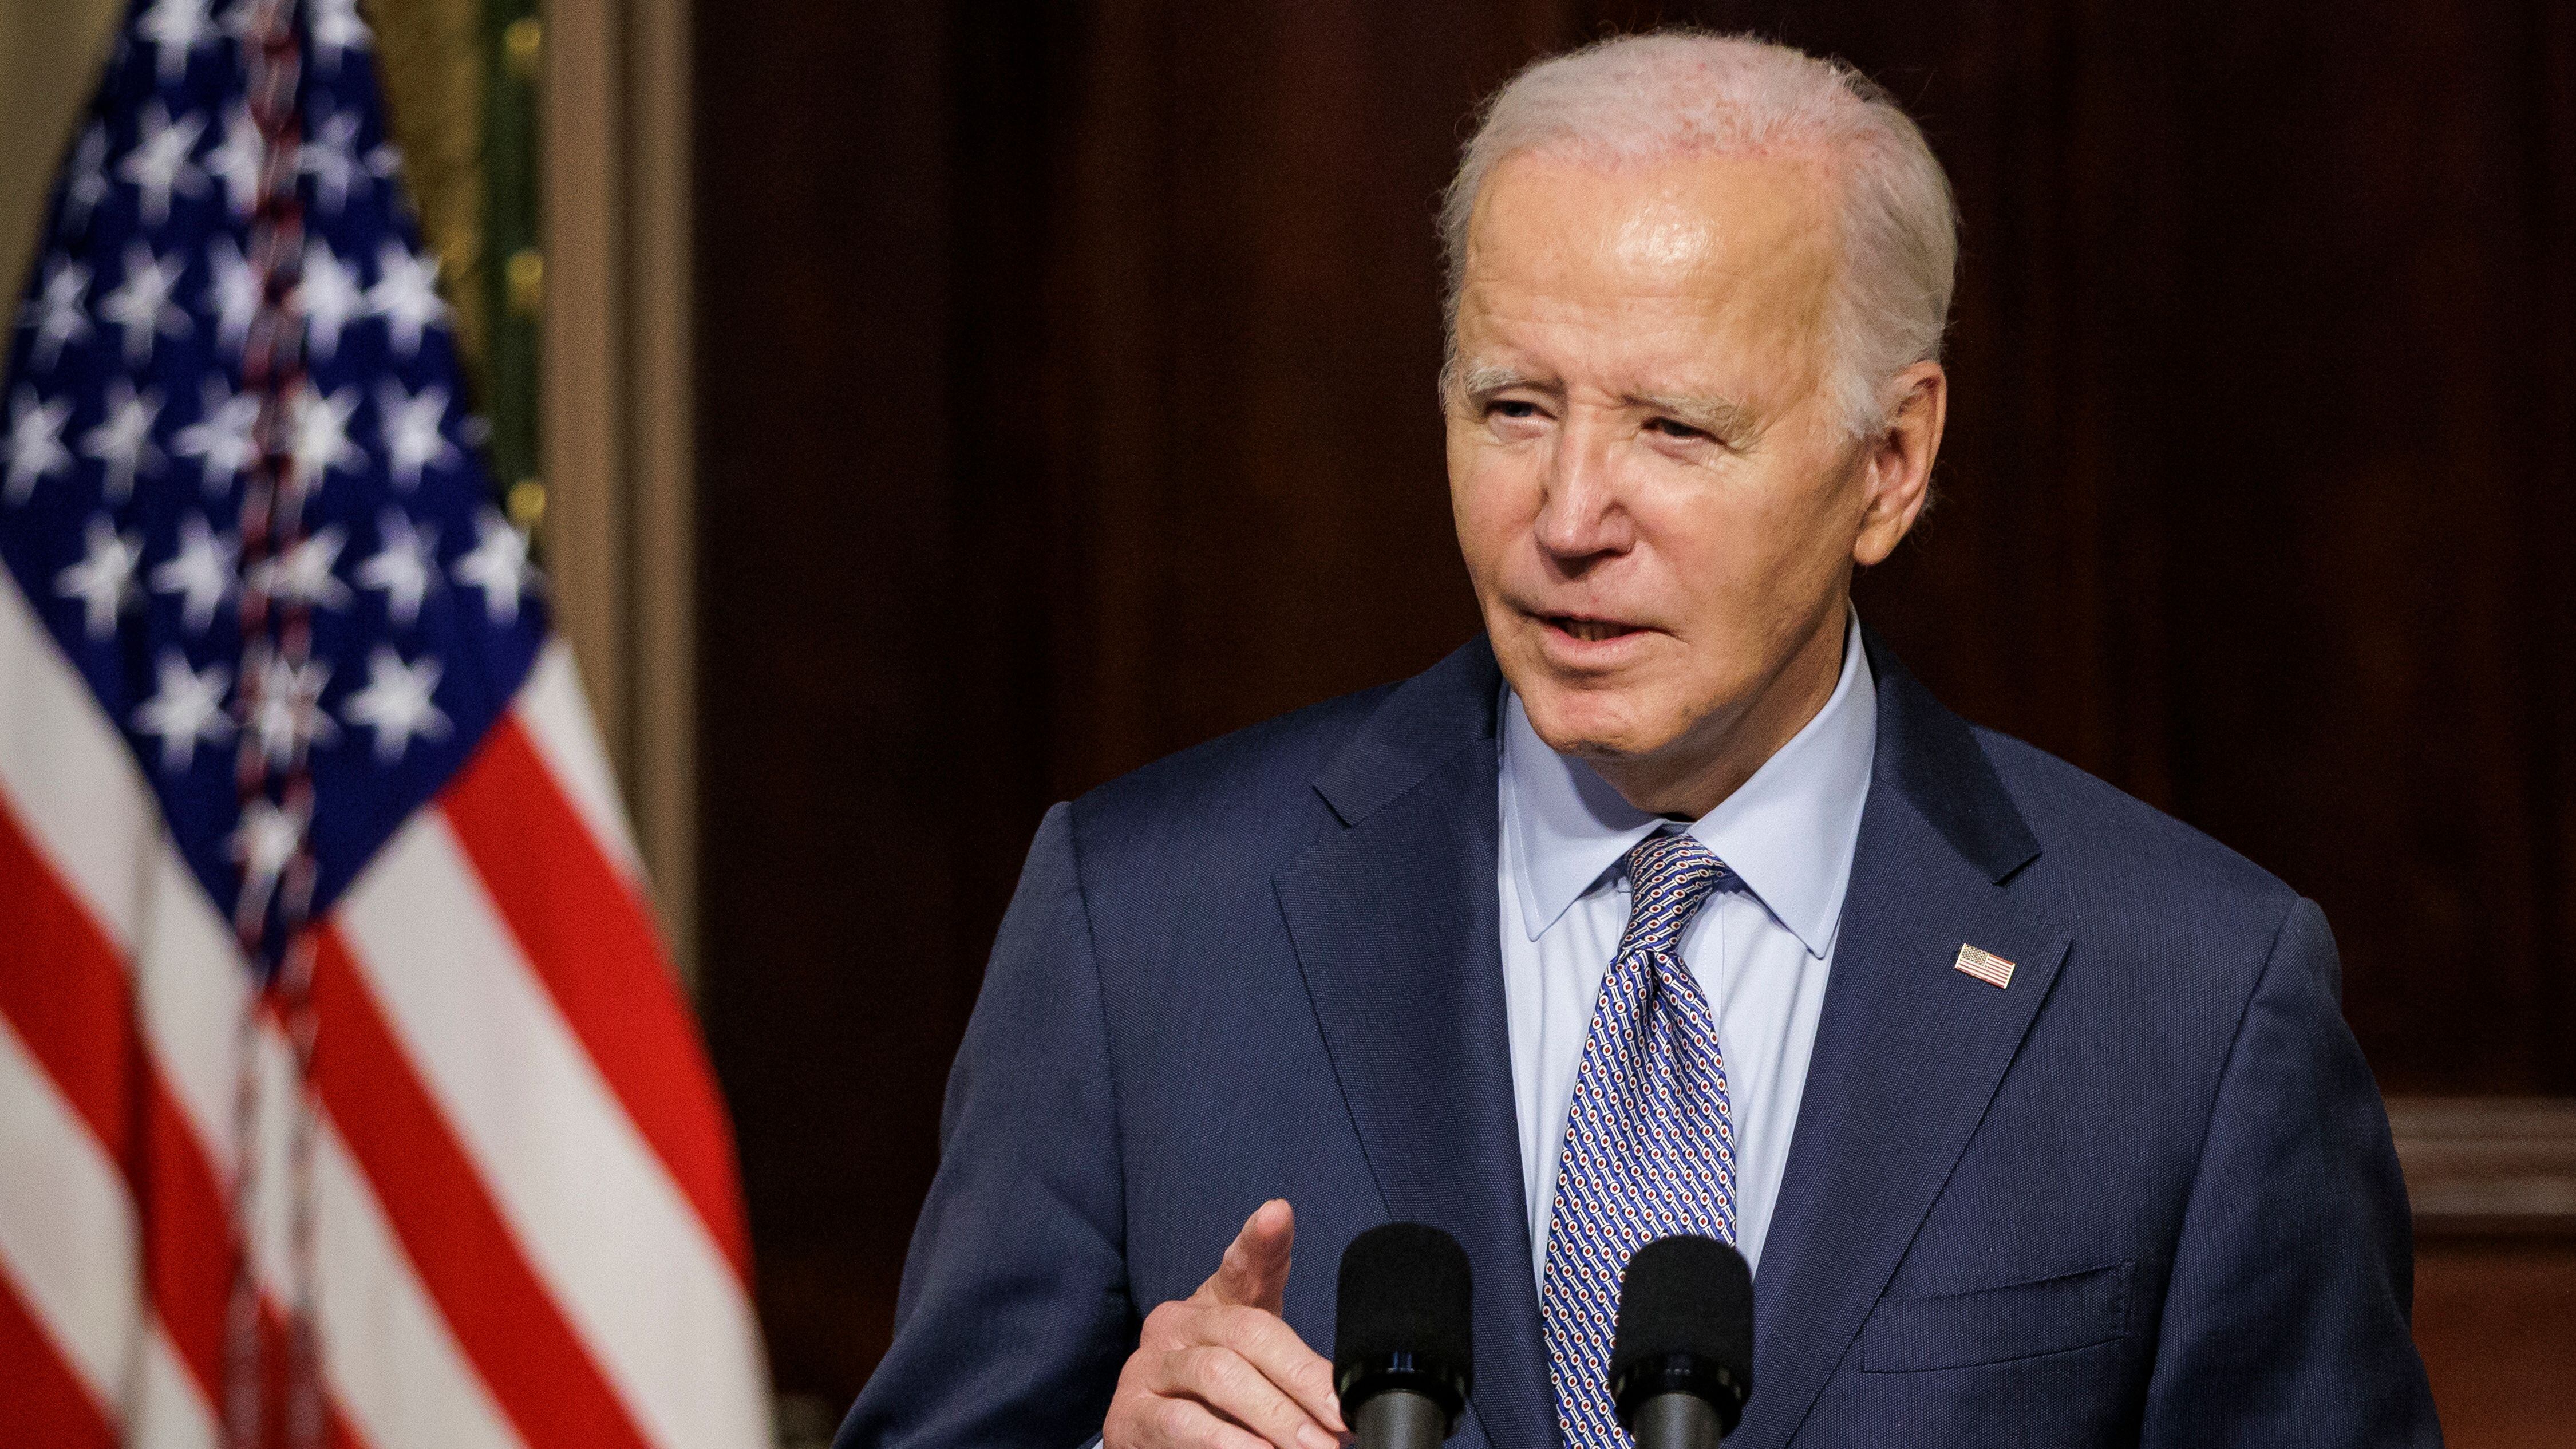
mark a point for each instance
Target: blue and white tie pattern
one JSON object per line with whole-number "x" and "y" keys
{"x": 1649, "y": 1138}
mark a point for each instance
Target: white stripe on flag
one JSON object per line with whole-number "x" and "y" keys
{"x": 388, "y": 1354}
{"x": 168, "y": 1411}
{"x": 557, "y": 715}
{"x": 190, "y": 987}
{"x": 66, "y": 1225}
{"x": 389, "y": 1358}
{"x": 587, "y": 1196}
{"x": 68, "y": 772}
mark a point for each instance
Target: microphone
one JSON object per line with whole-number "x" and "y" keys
{"x": 1682, "y": 1364}
{"x": 1403, "y": 1336}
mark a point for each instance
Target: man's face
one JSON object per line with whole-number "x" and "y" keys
{"x": 1656, "y": 503}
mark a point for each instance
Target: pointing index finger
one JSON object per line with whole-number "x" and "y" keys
{"x": 1254, "y": 1271}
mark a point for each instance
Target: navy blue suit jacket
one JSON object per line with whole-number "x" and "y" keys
{"x": 2143, "y": 1195}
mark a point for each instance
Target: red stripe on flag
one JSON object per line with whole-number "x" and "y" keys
{"x": 62, "y": 984}
{"x": 589, "y": 938}
{"x": 187, "y": 1243}
{"x": 41, "y": 1401}
{"x": 468, "y": 1259}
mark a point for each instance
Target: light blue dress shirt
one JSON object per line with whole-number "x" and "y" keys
{"x": 1761, "y": 954}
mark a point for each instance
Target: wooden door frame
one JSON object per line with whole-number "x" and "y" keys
{"x": 617, "y": 403}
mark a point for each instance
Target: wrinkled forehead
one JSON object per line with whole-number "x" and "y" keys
{"x": 1708, "y": 252}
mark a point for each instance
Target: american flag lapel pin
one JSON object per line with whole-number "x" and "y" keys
{"x": 1985, "y": 965}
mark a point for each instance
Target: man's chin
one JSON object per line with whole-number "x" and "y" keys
{"x": 1593, "y": 724}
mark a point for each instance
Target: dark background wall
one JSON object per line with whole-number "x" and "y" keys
{"x": 1067, "y": 399}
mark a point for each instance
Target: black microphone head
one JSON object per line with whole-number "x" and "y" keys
{"x": 1685, "y": 1325}
{"x": 1405, "y": 1318}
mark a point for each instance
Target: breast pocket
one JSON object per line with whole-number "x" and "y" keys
{"x": 1996, "y": 1325}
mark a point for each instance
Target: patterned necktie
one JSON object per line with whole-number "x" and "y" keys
{"x": 1649, "y": 1140}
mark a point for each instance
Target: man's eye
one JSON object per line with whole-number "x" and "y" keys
{"x": 1508, "y": 408}
{"x": 1672, "y": 429}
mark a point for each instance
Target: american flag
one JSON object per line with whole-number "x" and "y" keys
{"x": 1984, "y": 965}
{"x": 345, "y": 1096}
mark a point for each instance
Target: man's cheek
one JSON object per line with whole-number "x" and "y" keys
{"x": 1489, "y": 524}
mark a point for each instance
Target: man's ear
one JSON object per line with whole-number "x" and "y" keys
{"x": 1896, "y": 465}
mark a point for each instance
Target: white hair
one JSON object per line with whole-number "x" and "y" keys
{"x": 1642, "y": 98}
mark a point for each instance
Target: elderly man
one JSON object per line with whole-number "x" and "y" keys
{"x": 2033, "y": 1109}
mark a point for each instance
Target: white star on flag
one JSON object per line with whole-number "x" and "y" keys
{"x": 141, "y": 304}
{"x": 322, "y": 433}
{"x": 396, "y": 703}
{"x": 337, "y": 28}
{"x": 236, "y": 293}
{"x": 189, "y": 707}
{"x": 404, "y": 567}
{"x": 88, "y": 184}
{"x": 330, "y": 161}
{"x": 36, "y": 450}
{"x": 237, "y": 161}
{"x": 263, "y": 845}
{"x": 288, "y": 717}
{"x": 304, "y": 575}
{"x": 330, "y": 297}
{"x": 59, "y": 315}
{"x": 221, "y": 437}
{"x": 176, "y": 27}
{"x": 103, "y": 581}
{"x": 411, "y": 424}
{"x": 498, "y": 566}
{"x": 123, "y": 439}
{"x": 201, "y": 572}
{"x": 159, "y": 165}
{"x": 406, "y": 294}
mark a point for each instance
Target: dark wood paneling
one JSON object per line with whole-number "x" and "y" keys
{"x": 1067, "y": 399}
{"x": 837, "y": 953}
{"x": 2489, "y": 1166}
{"x": 2497, "y": 1324}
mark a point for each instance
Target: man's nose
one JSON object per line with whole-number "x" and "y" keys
{"x": 1582, "y": 514}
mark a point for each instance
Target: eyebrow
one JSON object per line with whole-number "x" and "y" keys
{"x": 1725, "y": 419}
{"x": 1488, "y": 378}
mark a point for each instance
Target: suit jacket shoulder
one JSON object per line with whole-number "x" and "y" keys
{"x": 1233, "y": 811}
{"x": 1236, "y": 799}
{"x": 2167, "y": 900}
{"x": 2118, "y": 837}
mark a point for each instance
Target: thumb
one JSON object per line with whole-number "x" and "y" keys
{"x": 1254, "y": 1271}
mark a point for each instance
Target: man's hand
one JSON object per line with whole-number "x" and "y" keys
{"x": 1221, "y": 1369}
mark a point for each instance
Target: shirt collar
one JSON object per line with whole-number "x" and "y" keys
{"x": 1789, "y": 832}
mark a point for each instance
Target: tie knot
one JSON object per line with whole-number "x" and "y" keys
{"x": 1669, "y": 878}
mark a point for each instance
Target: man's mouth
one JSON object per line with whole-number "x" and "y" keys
{"x": 1590, "y": 631}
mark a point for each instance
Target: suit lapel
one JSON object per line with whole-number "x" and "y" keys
{"x": 1909, "y": 1050}
{"x": 1395, "y": 922}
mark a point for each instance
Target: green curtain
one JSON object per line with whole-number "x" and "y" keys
{"x": 461, "y": 95}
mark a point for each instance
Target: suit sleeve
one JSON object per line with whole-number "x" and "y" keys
{"x": 2286, "y": 1321}
{"x": 1014, "y": 1317}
